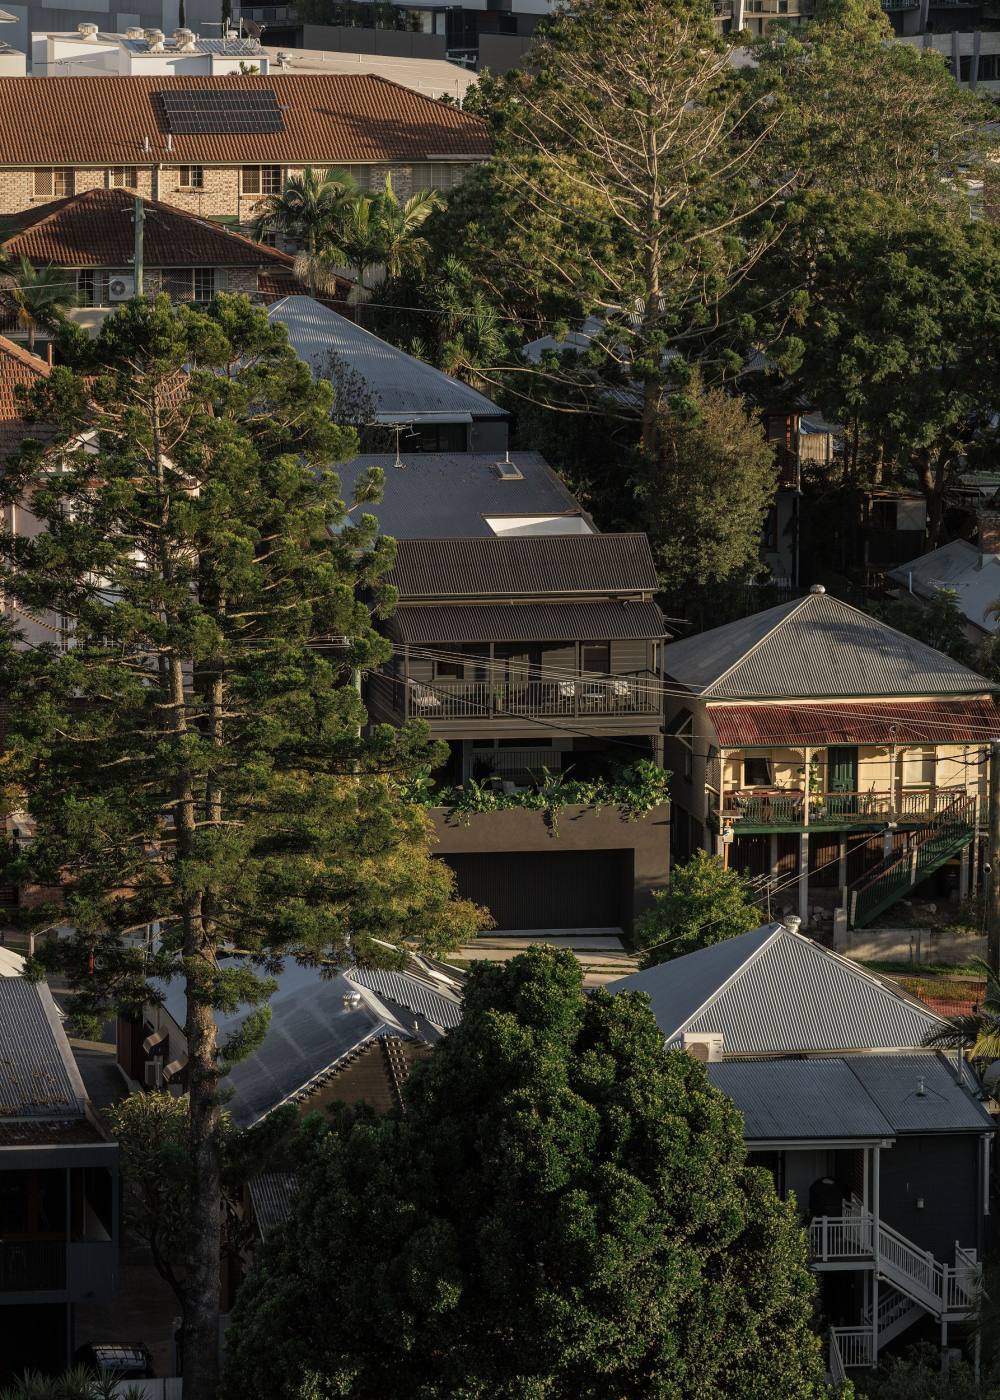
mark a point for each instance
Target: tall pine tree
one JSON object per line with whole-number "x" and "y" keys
{"x": 190, "y": 752}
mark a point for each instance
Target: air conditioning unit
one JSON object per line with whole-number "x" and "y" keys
{"x": 704, "y": 1047}
{"x": 120, "y": 288}
{"x": 153, "y": 1076}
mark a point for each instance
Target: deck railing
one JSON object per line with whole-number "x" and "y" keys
{"x": 855, "y": 1349}
{"x": 31, "y": 1266}
{"x": 836, "y": 808}
{"x": 633, "y": 694}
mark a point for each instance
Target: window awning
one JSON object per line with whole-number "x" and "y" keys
{"x": 527, "y": 622}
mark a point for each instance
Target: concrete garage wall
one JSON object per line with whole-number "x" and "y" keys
{"x": 577, "y": 829}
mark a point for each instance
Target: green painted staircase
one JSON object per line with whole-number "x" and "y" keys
{"x": 930, "y": 847}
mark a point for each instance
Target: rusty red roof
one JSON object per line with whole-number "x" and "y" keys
{"x": 94, "y": 229}
{"x": 880, "y": 722}
{"x": 18, "y": 369}
{"x": 328, "y": 119}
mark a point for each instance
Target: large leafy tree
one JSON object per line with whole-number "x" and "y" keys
{"x": 705, "y": 904}
{"x": 194, "y": 758}
{"x": 564, "y": 1210}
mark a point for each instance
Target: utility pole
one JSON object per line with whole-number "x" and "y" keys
{"x": 993, "y": 878}
{"x": 138, "y": 219}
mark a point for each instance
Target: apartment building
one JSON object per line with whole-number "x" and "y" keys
{"x": 217, "y": 146}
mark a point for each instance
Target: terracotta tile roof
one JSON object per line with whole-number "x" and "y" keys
{"x": 880, "y": 722}
{"x": 328, "y": 118}
{"x": 17, "y": 368}
{"x": 94, "y": 229}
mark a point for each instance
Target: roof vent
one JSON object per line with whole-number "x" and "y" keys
{"x": 817, "y": 588}
{"x": 134, "y": 31}
{"x": 792, "y": 923}
{"x": 185, "y": 39}
{"x": 87, "y": 32}
{"x": 921, "y": 1088}
{"x": 352, "y": 1000}
{"x": 284, "y": 59}
{"x": 508, "y": 470}
{"x": 154, "y": 40}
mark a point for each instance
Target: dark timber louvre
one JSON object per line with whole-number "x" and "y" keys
{"x": 202, "y": 111}
{"x": 549, "y": 889}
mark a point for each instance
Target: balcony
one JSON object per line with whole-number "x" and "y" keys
{"x": 754, "y": 810}
{"x": 32, "y": 1266}
{"x": 487, "y": 706}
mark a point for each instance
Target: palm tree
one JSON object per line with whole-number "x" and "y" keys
{"x": 40, "y": 296}
{"x": 308, "y": 206}
{"x": 979, "y": 1031}
{"x": 403, "y": 248}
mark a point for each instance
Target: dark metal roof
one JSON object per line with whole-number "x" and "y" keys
{"x": 523, "y": 566}
{"x": 38, "y": 1075}
{"x": 894, "y": 1082}
{"x": 920, "y": 722}
{"x": 412, "y": 993}
{"x": 800, "y": 1099}
{"x": 814, "y": 646}
{"x": 438, "y": 494}
{"x": 528, "y": 622}
{"x": 774, "y": 992}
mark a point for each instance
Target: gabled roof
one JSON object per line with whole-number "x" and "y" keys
{"x": 813, "y": 647}
{"x": 433, "y": 494}
{"x": 95, "y": 229}
{"x": 18, "y": 369}
{"x": 327, "y": 119}
{"x": 39, "y": 1078}
{"x": 406, "y": 389}
{"x": 774, "y": 992}
{"x": 523, "y": 566}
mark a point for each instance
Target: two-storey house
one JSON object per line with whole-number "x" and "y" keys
{"x": 883, "y": 1143}
{"x": 217, "y": 145}
{"x": 816, "y": 746}
{"x": 59, "y": 1199}
{"x": 531, "y": 644}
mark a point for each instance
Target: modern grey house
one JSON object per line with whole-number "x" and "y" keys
{"x": 58, "y": 1186}
{"x": 430, "y": 411}
{"x": 884, "y": 1143}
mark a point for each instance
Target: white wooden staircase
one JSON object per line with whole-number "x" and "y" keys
{"x": 915, "y": 1284}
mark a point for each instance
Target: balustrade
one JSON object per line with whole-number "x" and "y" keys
{"x": 503, "y": 697}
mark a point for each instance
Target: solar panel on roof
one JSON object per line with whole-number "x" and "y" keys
{"x": 204, "y": 111}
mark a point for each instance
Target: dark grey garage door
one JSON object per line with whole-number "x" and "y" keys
{"x": 558, "y": 889}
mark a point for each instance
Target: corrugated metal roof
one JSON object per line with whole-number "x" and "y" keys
{"x": 780, "y": 993}
{"x": 922, "y": 722}
{"x": 814, "y": 646}
{"x": 793, "y": 1099}
{"x": 38, "y": 1075}
{"x": 894, "y": 1083}
{"x": 523, "y": 566}
{"x": 438, "y": 494}
{"x": 528, "y": 622}
{"x": 962, "y": 568}
{"x": 271, "y": 1196}
{"x": 411, "y": 993}
{"x": 405, "y": 388}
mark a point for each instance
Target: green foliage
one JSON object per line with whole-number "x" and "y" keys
{"x": 377, "y": 231}
{"x": 978, "y": 1032}
{"x": 307, "y": 207}
{"x": 704, "y": 904}
{"x": 565, "y": 1210}
{"x": 75, "y": 1384}
{"x": 712, "y": 451}
{"x": 917, "y": 1375}
{"x": 40, "y": 297}
{"x": 634, "y": 790}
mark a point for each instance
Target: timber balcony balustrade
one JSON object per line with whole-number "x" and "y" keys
{"x": 755, "y": 810}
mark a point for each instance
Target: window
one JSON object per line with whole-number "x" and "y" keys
{"x": 438, "y": 176}
{"x": 262, "y": 179}
{"x": 452, "y": 667}
{"x": 189, "y": 283}
{"x": 918, "y": 767}
{"x": 204, "y": 283}
{"x": 757, "y": 772}
{"x": 595, "y": 658}
{"x": 191, "y": 177}
{"x": 54, "y": 184}
{"x": 123, "y": 177}
{"x": 92, "y": 287}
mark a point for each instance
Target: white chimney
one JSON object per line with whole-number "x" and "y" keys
{"x": 185, "y": 40}
{"x": 87, "y": 32}
{"x": 154, "y": 40}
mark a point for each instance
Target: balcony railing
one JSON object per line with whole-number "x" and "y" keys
{"x": 32, "y": 1266}
{"x": 751, "y": 808}
{"x": 614, "y": 696}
